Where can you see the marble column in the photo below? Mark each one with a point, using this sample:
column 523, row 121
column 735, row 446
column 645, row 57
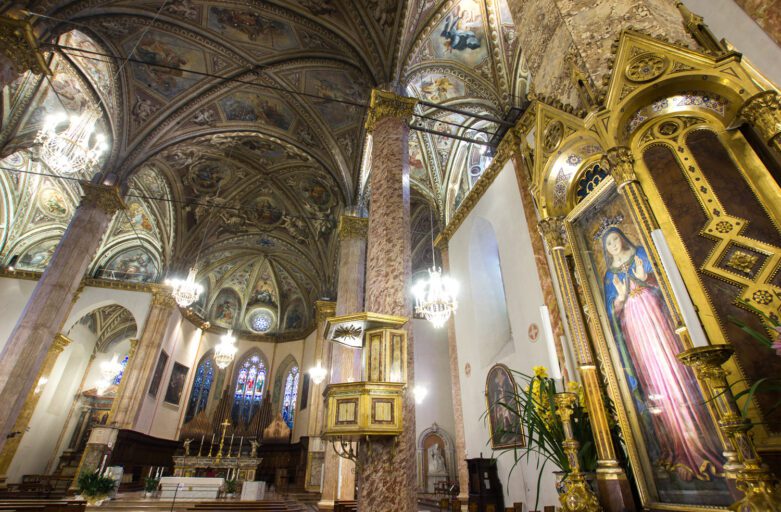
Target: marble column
column 50, row 303
column 23, row 420
column 615, row 493
column 338, row 472
column 462, row 472
column 133, row 389
column 387, row 479
column 19, row 50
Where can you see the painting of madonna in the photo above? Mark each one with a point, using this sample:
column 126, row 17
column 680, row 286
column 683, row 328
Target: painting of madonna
column 683, row 451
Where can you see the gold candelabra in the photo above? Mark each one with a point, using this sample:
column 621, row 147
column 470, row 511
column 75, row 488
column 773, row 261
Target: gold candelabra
column 222, row 439
column 754, row 479
column 578, row 496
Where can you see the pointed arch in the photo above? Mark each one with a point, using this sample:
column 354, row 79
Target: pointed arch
column 249, row 385
column 202, row 384
column 286, row 387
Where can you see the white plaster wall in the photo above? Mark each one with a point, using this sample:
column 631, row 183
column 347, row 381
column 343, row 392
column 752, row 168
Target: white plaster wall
column 432, row 370
column 501, row 207
column 301, row 424
column 727, row 20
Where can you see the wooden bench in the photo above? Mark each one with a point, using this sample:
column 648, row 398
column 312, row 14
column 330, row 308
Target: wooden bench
column 345, row 506
column 43, row 505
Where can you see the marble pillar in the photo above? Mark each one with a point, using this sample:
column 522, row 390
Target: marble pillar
column 135, row 381
column 387, row 476
column 462, row 472
column 50, row 303
column 338, row 472
column 23, row 420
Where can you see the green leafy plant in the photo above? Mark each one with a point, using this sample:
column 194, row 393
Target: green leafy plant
column 231, row 486
column 150, row 484
column 95, row 484
column 533, row 404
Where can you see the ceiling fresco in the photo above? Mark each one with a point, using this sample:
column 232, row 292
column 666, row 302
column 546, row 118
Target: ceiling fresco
column 238, row 127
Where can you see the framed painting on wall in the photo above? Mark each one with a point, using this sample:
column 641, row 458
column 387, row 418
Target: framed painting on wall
column 673, row 443
column 173, row 395
column 504, row 417
column 157, row 377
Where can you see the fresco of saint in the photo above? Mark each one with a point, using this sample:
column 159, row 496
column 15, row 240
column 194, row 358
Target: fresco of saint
column 661, row 385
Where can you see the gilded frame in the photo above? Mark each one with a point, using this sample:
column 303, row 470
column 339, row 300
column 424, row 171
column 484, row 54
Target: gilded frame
column 606, row 351
column 520, row 438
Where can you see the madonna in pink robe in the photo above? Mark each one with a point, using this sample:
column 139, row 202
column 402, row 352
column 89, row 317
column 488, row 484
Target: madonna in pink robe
column 682, row 430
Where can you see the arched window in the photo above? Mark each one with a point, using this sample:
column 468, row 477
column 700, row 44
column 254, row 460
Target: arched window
column 250, row 385
column 199, row 396
column 118, row 378
column 290, row 395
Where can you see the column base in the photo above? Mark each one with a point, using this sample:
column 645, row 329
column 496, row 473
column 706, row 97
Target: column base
column 614, row 490
column 325, row 505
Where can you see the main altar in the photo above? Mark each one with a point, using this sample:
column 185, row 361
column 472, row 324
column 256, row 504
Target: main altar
column 230, row 468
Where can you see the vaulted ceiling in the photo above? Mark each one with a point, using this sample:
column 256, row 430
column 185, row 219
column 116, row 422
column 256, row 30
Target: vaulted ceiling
column 251, row 113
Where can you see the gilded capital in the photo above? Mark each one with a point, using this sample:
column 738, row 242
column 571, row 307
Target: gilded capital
column 620, row 162
column 324, row 309
column 565, row 404
column 18, row 44
column 133, row 347
column 763, row 111
column 552, row 230
column 161, row 297
column 60, row 342
column 102, row 197
column 387, row 104
column 353, row 227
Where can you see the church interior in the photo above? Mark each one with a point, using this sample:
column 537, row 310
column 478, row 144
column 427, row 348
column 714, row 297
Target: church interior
column 390, row 255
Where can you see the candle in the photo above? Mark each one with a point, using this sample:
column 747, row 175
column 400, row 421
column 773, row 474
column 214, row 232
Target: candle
column 679, row 290
column 201, row 446
column 103, row 463
column 553, row 354
column 230, row 446
column 150, row 472
column 241, row 441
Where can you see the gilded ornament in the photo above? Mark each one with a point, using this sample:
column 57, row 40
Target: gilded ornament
column 105, row 198
column 742, row 261
column 552, row 230
column 668, row 128
column 353, row 227
column 553, row 136
column 646, row 67
column 18, row 44
column 161, row 297
column 60, row 342
column 724, row 227
column 324, row 309
column 347, row 332
column 387, row 104
column 763, row 297
column 621, row 164
column 763, row 111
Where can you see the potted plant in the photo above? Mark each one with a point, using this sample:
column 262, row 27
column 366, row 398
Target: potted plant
column 534, row 406
column 150, row 486
column 230, row 487
column 95, row 487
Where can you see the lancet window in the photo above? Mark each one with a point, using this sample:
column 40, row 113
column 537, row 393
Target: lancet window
column 250, row 384
column 290, row 395
column 202, row 384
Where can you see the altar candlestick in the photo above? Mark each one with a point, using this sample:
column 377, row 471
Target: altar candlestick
column 230, row 446
column 103, row 463
column 201, row 446
column 679, row 290
column 241, row 441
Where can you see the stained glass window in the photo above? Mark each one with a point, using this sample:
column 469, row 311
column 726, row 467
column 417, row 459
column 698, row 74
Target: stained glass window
column 250, row 383
column 202, row 384
column 289, row 397
column 118, row 378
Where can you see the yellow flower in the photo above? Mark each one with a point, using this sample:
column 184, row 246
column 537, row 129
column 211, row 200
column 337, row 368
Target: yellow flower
column 540, row 371
column 575, row 387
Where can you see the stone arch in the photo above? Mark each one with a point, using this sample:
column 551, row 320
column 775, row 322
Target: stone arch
column 430, row 436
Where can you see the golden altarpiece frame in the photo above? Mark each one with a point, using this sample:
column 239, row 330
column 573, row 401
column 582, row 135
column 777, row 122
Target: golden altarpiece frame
column 684, row 147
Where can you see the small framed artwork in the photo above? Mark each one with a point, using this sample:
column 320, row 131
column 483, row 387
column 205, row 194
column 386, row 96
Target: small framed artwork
column 504, row 416
column 157, row 377
column 173, row 395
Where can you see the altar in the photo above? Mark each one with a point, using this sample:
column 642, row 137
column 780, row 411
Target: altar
column 188, row 488
column 230, row 468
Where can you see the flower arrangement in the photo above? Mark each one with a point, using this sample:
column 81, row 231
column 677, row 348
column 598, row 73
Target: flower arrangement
column 151, row 484
column 96, row 486
column 231, row 486
column 535, row 408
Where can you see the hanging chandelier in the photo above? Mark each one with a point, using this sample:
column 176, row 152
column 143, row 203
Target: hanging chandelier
column 185, row 291
column 69, row 144
column 225, row 351
column 318, row 373
column 435, row 298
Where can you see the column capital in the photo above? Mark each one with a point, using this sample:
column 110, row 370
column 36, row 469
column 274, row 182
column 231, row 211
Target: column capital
column 353, row 227
column 552, row 231
column 60, row 342
column 387, row 104
column 19, row 45
column 620, row 163
column 161, row 296
column 763, row 112
column 103, row 197
column 324, row 309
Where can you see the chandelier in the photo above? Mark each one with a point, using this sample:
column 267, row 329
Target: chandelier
column 69, row 144
column 225, row 351
column 435, row 298
column 317, row 373
column 185, row 291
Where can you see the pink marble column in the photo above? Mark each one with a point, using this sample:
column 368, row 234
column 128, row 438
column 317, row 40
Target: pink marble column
column 338, row 472
column 387, row 479
column 455, row 388
column 135, row 381
column 25, row 351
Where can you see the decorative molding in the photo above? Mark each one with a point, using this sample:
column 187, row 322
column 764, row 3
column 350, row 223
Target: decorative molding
column 763, row 111
column 324, row 309
column 387, row 104
column 60, row 342
column 105, row 198
column 620, row 163
column 552, row 231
